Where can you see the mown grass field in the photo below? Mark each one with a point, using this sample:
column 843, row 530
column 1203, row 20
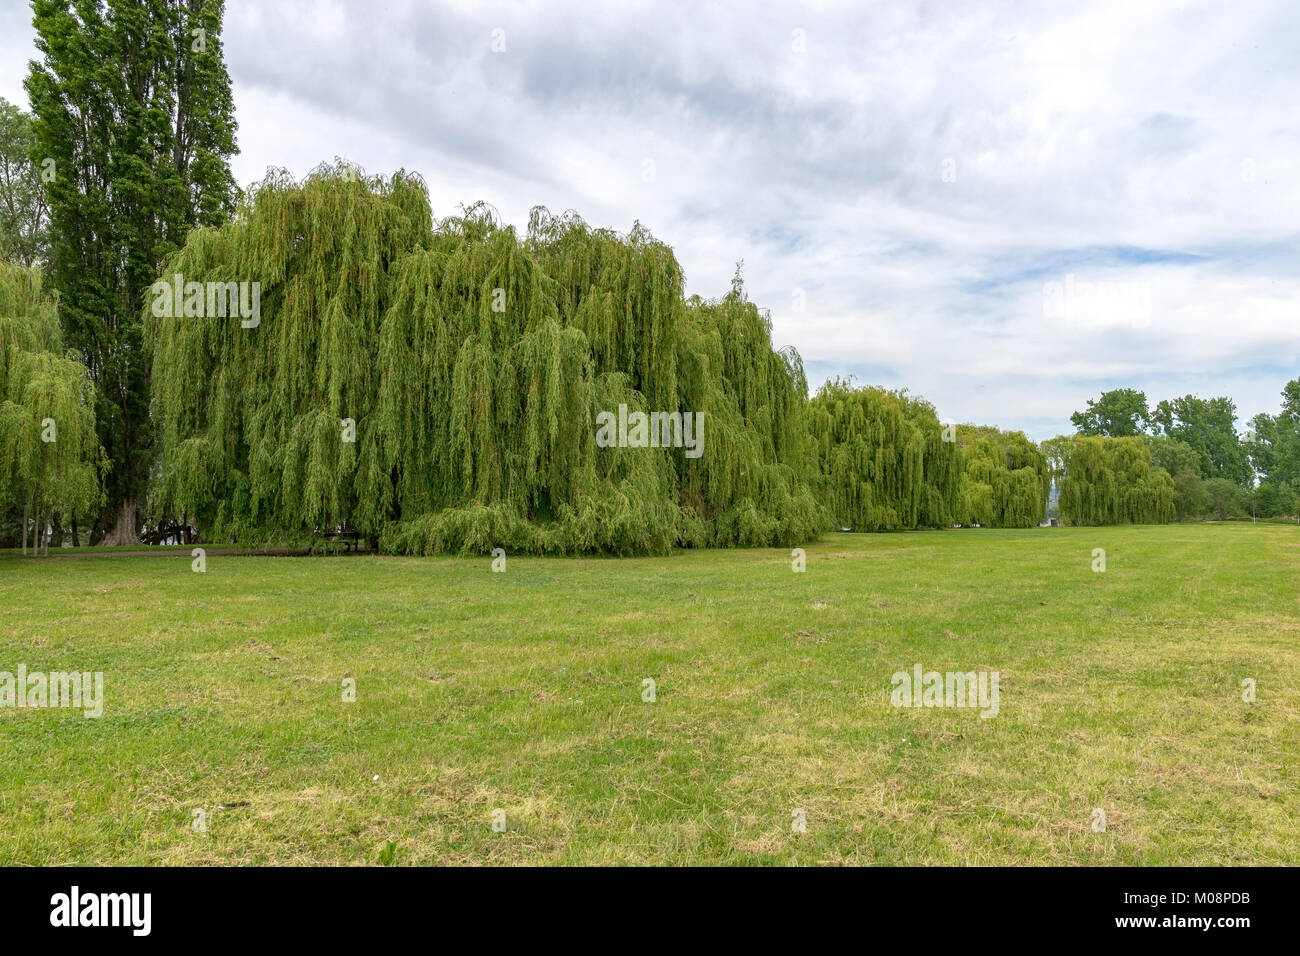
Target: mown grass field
column 523, row 691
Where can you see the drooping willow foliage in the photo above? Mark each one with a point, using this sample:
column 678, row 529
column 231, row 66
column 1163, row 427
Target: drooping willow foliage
column 1110, row 481
column 471, row 365
column 50, row 460
column 1005, row 479
column 883, row 463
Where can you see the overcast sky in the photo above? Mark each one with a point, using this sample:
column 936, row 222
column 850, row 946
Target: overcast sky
column 1005, row 208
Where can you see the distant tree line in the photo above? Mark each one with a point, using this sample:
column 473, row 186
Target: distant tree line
column 1215, row 470
column 886, row 463
column 884, row 466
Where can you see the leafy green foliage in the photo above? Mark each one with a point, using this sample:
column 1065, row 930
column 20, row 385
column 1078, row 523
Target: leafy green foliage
column 49, row 458
column 1208, row 427
column 1271, row 500
column 1119, row 413
column 885, row 465
column 1005, row 479
column 1172, row 455
column 1223, row 497
column 1189, row 494
column 473, row 365
column 1274, row 449
column 1183, row 464
column 23, row 213
column 883, row 462
column 1107, row 481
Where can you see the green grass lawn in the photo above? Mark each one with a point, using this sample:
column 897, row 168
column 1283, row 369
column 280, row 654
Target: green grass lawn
column 523, row 691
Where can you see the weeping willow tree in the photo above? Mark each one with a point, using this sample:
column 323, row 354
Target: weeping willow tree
column 437, row 388
column 1110, row 481
column 1005, row 479
column 51, row 463
column 253, row 411
column 882, row 460
column 756, row 486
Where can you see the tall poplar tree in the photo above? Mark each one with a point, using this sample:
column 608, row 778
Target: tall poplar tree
column 132, row 114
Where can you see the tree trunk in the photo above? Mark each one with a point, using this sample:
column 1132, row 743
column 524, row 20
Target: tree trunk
column 27, row 504
column 126, row 531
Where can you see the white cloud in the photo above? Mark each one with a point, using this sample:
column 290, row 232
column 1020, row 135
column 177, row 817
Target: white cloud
column 1135, row 143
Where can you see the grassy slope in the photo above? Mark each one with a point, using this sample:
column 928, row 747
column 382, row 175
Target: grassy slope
column 523, row 691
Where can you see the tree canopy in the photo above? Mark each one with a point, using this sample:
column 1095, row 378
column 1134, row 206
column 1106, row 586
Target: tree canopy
column 437, row 386
column 50, row 461
column 1004, row 479
column 1208, row 426
column 1104, row 480
column 883, row 463
column 1118, row 413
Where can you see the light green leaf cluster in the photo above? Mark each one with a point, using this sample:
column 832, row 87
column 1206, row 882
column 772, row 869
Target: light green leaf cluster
column 50, row 460
column 1106, row 481
column 883, row 463
column 1005, row 479
column 473, row 364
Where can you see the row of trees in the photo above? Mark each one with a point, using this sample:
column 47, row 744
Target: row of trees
column 432, row 384
column 886, row 463
column 1215, row 470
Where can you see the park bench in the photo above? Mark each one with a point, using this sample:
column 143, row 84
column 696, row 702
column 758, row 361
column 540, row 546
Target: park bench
column 351, row 540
